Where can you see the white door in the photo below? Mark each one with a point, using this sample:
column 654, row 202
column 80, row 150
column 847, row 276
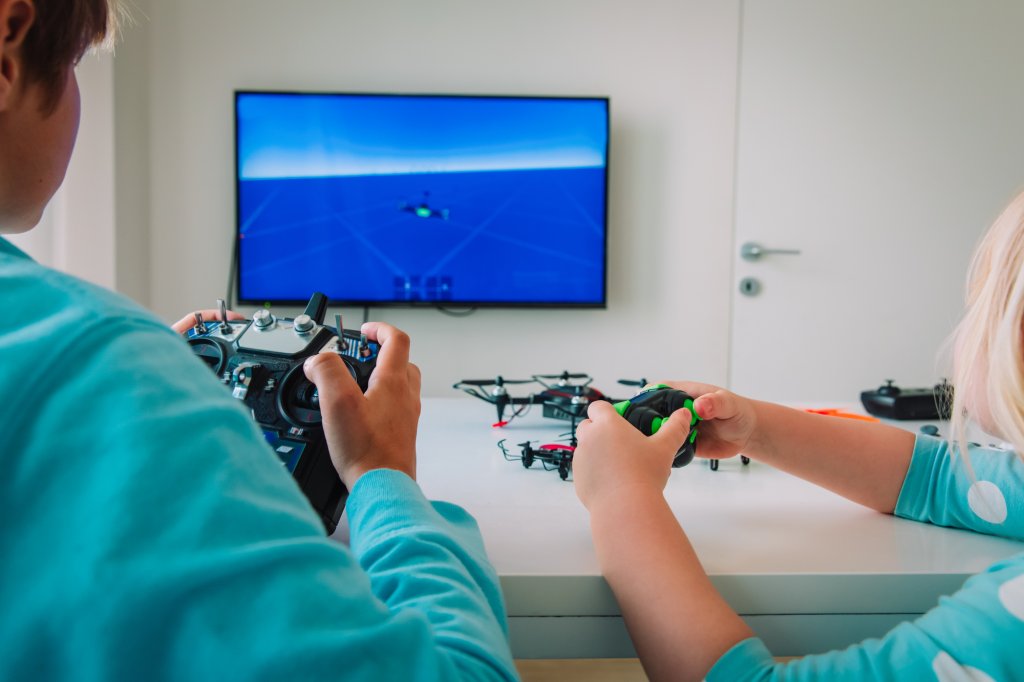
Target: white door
column 880, row 139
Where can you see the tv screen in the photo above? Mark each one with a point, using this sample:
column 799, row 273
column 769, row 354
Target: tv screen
column 447, row 200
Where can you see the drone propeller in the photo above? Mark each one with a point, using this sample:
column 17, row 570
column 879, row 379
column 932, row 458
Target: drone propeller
column 497, row 381
column 633, row 382
column 563, row 375
column 499, row 396
column 563, row 379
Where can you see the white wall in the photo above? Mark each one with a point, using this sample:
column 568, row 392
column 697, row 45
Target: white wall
column 76, row 233
column 39, row 242
column 132, row 96
column 669, row 67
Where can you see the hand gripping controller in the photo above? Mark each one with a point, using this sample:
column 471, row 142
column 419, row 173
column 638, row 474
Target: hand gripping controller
column 260, row 361
column 651, row 407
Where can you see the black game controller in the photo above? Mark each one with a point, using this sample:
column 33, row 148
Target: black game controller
column 892, row 402
column 650, row 408
column 260, row 360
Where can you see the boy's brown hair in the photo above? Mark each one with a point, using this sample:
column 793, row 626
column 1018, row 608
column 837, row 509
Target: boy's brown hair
column 58, row 37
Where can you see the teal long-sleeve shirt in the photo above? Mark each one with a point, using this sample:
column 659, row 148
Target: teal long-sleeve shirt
column 973, row 635
column 148, row 532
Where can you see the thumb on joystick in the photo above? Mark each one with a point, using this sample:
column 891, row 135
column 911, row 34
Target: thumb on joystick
column 333, row 379
column 675, row 427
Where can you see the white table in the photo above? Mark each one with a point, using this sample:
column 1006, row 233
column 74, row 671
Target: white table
column 809, row 571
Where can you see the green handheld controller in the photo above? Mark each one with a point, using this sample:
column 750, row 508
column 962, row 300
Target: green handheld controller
column 651, row 407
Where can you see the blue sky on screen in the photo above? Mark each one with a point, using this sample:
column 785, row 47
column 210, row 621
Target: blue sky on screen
column 311, row 135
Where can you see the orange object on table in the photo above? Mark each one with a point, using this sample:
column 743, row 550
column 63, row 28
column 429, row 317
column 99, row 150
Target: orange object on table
column 834, row 412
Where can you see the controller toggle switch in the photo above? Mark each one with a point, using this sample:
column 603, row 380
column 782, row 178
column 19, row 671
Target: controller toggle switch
column 342, row 341
column 222, row 308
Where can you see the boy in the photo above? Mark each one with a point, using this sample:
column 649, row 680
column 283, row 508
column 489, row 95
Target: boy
column 148, row 530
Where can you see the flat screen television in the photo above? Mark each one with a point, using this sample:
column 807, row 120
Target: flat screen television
column 446, row 200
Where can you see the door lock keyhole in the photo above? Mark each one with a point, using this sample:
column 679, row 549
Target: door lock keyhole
column 749, row 286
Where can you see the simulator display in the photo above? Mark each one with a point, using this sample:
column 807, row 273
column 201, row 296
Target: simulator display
column 446, row 200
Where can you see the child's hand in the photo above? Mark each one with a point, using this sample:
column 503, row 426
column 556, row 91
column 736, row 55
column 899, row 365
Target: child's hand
column 730, row 421
column 614, row 459
column 375, row 430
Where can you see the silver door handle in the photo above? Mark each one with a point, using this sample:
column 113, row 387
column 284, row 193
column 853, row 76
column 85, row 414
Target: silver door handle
column 754, row 251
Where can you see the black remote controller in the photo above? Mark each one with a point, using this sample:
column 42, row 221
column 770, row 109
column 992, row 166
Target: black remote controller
column 892, row 402
column 651, row 407
column 260, row 361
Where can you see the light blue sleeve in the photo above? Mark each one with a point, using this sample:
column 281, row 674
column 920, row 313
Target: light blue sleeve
column 939, row 489
column 150, row 533
column 393, row 528
column 973, row 634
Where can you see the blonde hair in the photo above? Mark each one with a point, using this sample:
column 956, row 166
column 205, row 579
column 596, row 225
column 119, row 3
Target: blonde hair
column 989, row 341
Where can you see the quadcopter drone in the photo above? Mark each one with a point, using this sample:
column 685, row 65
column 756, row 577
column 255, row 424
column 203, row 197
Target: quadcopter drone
column 561, row 402
column 550, row 455
column 423, row 209
column 564, row 396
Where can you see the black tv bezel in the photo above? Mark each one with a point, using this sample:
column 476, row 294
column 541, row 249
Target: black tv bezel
column 459, row 304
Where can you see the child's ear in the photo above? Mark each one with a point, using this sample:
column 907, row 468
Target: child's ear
column 16, row 17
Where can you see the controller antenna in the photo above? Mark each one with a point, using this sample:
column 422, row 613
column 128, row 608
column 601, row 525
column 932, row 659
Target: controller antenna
column 317, row 307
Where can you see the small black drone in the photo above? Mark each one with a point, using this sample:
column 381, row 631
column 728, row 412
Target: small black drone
column 551, row 456
column 423, row 209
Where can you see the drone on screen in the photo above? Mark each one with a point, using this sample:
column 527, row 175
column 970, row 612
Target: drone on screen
column 423, row 209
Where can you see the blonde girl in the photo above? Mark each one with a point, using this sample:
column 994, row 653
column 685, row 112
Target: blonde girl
column 684, row 630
